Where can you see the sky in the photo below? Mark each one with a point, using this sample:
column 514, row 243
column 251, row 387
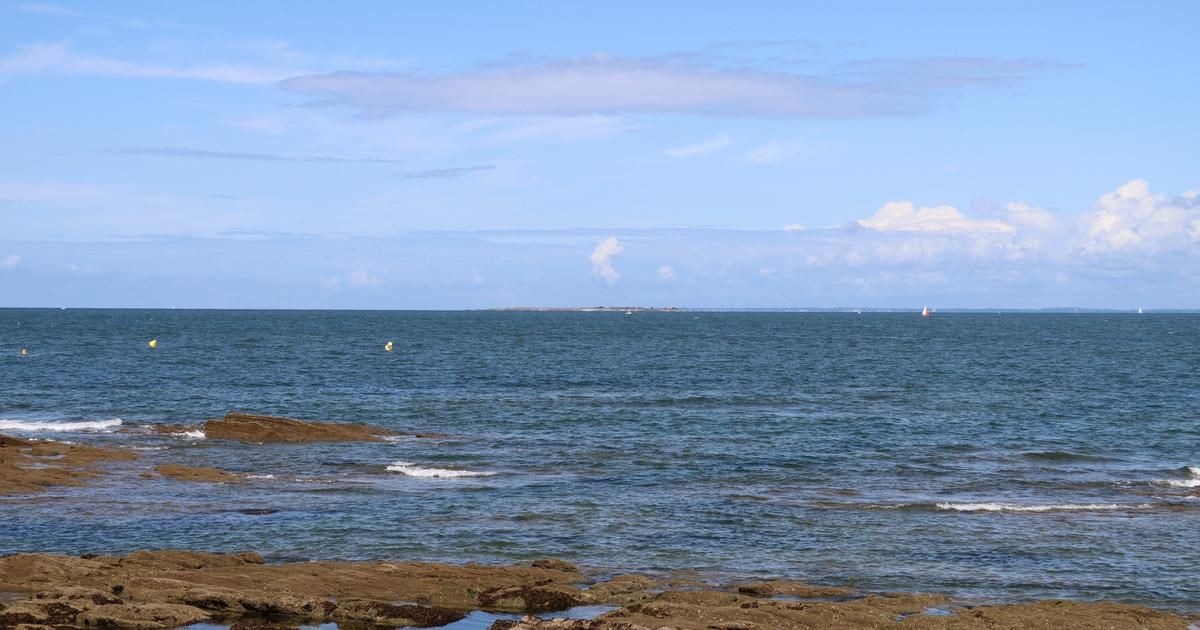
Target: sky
column 694, row 154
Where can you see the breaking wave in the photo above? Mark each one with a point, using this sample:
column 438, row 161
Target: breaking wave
column 413, row 470
column 48, row 425
column 1058, row 507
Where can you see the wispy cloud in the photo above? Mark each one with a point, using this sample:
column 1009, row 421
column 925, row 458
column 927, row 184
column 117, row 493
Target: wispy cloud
column 715, row 143
column 10, row 262
column 60, row 58
column 446, row 173
column 56, row 10
column 182, row 152
column 604, row 84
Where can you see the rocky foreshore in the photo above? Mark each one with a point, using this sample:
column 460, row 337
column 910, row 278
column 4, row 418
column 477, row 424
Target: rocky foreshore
column 167, row 589
column 149, row 590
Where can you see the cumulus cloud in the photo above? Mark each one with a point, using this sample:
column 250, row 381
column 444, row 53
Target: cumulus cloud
column 1132, row 218
column 602, row 257
column 606, row 84
column 904, row 216
column 665, row 273
column 10, row 262
column 715, row 143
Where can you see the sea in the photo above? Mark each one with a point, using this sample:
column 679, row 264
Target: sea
column 990, row 456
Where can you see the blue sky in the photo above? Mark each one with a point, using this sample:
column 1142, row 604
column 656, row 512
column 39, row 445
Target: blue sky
column 464, row 155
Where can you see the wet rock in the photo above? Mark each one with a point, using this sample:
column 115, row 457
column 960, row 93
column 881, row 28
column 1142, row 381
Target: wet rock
column 200, row 474
column 533, row 623
column 27, row 466
column 253, row 602
column 531, row 599
column 773, row 588
column 257, row 428
column 140, row 616
column 623, row 589
column 555, row 564
column 383, row 613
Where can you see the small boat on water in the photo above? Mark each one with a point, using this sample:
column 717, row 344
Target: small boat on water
column 925, row 312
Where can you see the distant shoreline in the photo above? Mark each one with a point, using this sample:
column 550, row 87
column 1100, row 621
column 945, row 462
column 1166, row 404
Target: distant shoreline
column 1066, row 310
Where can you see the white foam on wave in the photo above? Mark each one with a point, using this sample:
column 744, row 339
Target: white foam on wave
column 1194, row 482
column 260, row 476
column 1060, row 507
column 413, row 470
column 195, row 434
column 48, row 425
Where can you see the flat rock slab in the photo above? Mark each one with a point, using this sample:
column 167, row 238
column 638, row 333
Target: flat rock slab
column 28, row 466
column 202, row 474
column 147, row 590
column 248, row 427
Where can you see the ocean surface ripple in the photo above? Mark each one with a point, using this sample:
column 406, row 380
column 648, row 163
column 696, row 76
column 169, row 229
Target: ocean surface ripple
column 997, row 456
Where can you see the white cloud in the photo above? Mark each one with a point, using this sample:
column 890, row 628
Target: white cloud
column 602, row 256
column 357, row 279
column 794, row 227
column 704, row 147
column 665, row 273
column 10, row 262
column 361, row 278
column 1132, row 218
column 605, row 84
column 904, row 216
column 1023, row 215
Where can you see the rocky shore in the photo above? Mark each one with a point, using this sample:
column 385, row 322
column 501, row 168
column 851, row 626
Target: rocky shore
column 149, row 590
column 166, row 589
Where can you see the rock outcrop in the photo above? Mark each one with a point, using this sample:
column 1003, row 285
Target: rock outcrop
column 149, row 590
column 248, row 427
column 202, row 474
column 32, row 466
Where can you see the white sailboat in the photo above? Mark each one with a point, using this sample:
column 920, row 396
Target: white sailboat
column 925, row 312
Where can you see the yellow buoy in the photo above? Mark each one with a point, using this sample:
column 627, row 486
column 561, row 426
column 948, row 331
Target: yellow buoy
column 388, row 346
column 153, row 343
column 24, row 352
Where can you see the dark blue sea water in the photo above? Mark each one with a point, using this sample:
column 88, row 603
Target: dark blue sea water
column 993, row 456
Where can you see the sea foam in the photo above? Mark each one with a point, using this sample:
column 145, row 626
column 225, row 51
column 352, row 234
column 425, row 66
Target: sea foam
column 1194, row 482
column 1060, row 507
column 413, row 470
column 46, row 425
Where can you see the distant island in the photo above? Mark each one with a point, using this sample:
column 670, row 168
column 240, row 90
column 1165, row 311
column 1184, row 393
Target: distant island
column 591, row 309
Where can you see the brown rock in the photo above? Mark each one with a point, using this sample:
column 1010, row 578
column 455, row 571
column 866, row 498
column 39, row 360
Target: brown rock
column 161, row 589
column 531, row 599
column 383, row 613
column 179, row 472
column 140, row 616
column 256, row 428
column 773, row 588
column 555, row 564
column 28, row 466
